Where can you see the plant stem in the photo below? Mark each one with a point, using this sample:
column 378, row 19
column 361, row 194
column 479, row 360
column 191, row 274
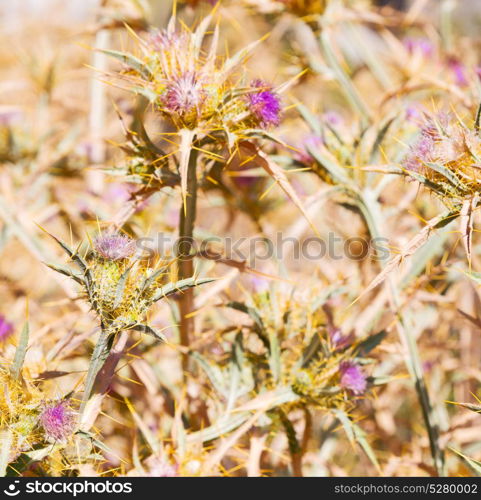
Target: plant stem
column 294, row 446
column 412, row 358
column 414, row 366
column 97, row 360
column 185, row 254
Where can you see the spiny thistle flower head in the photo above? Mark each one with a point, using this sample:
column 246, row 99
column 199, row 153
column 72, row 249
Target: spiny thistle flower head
column 196, row 88
column 446, row 157
column 163, row 40
column 352, row 377
column 6, row 328
column 264, row 104
column 313, row 357
column 185, row 95
column 57, row 420
column 114, row 246
column 118, row 281
column 121, row 289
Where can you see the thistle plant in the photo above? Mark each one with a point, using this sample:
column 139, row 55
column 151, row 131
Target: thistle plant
column 296, row 361
column 445, row 160
column 120, row 290
column 291, row 356
column 30, row 428
column 211, row 105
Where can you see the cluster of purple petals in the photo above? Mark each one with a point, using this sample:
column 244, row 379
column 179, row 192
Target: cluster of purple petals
column 114, row 246
column 337, row 338
column 184, row 94
column 420, row 153
column 424, row 150
column 352, row 377
column 264, row 104
column 57, row 421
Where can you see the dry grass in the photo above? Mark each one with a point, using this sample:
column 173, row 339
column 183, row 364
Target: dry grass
column 248, row 379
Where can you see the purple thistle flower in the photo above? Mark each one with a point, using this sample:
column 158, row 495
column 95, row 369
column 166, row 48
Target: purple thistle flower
column 428, row 366
column 420, row 153
column 337, row 338
column 6, row 328
column 184, row 94
column 264, row 104
column 352, row 377
column 422, row 45
column 459, row 71
column 436, row 144
column 113, row 246
column 58, row 421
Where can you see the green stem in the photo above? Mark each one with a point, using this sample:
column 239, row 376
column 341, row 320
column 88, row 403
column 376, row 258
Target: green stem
column 294, row 446
column 97, row 360
column 184, row 252
column 429, row 416
column 413, row 361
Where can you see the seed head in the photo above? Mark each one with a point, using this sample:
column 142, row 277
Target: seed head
column 352, row 377
column 114, row 246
